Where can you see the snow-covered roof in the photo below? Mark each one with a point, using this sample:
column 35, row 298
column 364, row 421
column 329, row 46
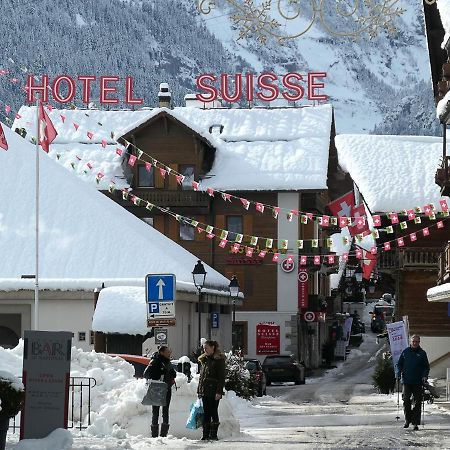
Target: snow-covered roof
column 277, row 148
column 393, row 173
column 439, row 293
column 262, row 149
column 83, row 234
column 444, row 12
column 108, row 314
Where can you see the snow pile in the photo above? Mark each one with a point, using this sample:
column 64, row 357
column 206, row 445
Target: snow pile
column 393, row 173
column 116, row 408
column 59, row 439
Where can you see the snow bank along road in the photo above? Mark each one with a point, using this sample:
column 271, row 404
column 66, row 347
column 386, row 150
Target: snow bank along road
column 340, row 410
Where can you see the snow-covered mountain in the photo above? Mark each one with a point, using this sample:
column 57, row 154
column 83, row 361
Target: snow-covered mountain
column 370, row 82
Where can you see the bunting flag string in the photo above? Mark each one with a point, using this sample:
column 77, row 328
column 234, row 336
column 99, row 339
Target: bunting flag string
column 354, row 222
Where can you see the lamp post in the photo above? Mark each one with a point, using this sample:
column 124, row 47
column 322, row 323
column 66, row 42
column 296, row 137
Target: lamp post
column 199, row 276
column 234, row 292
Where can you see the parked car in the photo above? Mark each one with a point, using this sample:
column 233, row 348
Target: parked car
column 258, row 375
column 283, row 368
column 138, row 362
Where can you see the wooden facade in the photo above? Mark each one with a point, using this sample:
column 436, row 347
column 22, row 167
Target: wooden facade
column 180, row 147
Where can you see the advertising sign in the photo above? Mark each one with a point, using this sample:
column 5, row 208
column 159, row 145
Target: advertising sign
column 398, row 340
column 267, row 339
column 303, row 286
column 348, row 328
column 46, row 377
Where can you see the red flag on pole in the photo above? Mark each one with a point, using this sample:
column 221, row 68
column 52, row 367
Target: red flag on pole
column 47, row 132
column 3, row 143
column 368, row 263
column 343, row 205
column 359, row 220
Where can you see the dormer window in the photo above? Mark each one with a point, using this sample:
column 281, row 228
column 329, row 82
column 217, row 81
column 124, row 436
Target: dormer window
column 145, row 178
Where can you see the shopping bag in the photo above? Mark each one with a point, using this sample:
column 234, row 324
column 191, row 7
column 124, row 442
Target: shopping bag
column 156, row 394
column 195, row 419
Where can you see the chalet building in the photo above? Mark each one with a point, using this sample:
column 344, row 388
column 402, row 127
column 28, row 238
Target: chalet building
column 276, row 157
column 86, row 242
column 395, row 174
column 437, row 18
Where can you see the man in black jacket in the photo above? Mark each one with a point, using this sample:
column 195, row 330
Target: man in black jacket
column 160, row 368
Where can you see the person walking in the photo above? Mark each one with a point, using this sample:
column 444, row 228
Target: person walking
column 413, row 368
column 160, row 368
column 210, row 387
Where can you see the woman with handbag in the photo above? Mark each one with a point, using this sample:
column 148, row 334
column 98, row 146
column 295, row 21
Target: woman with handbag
column 160, row 368
column 210, row 387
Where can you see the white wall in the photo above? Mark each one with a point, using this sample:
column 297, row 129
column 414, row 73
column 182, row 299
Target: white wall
column 287, row 283
column 254, row 317
column 435, row 346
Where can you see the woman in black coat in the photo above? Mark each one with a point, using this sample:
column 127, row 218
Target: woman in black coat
column 160, row 368
column 210, row 387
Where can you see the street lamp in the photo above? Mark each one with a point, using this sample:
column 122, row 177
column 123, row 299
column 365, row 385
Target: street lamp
column 234, row 292
column 199, row 276
column 358, row 274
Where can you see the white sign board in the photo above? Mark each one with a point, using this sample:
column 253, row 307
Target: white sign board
column 348, row 328
column 398, row 339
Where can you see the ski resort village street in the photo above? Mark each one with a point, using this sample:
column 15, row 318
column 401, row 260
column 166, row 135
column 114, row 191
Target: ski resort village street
column 338, row 410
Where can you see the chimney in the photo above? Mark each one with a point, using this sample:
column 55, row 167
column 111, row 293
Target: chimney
column 164, row 96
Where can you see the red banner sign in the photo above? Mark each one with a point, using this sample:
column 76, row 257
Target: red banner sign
column 303, row 286
column 267, row 339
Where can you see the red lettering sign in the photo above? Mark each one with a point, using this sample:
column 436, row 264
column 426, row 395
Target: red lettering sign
column 269, row 87
column 267, row 339
column 303, row 286
column 107, row 88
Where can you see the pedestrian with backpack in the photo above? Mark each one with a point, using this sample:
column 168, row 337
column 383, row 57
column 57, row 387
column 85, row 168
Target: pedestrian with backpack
column 413, row 368
column 160, row 368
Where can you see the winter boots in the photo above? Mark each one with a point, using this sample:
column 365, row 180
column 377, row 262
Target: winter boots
column 406, row 425
column 164, row 429
column 206, row 431
column 155, row 430
column 213, row 432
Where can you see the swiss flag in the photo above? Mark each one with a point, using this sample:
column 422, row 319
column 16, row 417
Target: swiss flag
column 343, row 205
column 47, row 132
column 359, row 220
column 368, row 263
column 3, row 143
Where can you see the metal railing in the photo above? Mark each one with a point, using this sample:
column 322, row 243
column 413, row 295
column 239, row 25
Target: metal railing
column 173, row 198
column 79, row 388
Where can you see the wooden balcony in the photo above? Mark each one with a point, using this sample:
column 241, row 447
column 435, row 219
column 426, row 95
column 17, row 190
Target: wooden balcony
column 442, row 176
column 173, row 198
column 409, row 258
column 444, row 265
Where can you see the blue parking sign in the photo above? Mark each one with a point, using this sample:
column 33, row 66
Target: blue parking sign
column 153, row 308
column 214, row 320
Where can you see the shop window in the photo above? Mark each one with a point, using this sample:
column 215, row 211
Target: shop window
column 145, row 178
column 240, row 337
column 82, row 336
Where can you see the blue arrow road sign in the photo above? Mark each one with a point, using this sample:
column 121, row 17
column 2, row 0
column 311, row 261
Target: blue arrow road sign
column 160, row 287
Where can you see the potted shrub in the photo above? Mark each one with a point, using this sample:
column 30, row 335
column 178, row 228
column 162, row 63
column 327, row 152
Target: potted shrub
column 384, row 376
column 12, row 397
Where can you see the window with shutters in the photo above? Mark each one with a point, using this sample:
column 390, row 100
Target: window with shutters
column 188, row 172
column 235, row 225
column 146, row 178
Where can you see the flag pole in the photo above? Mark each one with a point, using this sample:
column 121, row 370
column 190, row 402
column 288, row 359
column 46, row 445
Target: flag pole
column 36, row 277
